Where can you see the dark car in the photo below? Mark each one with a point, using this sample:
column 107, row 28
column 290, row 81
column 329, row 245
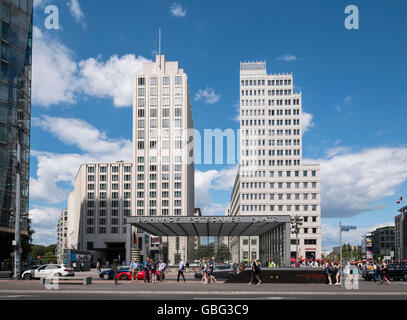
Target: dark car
column 108, row 274
column 221, row 271
column 368, row 275
column 397, row 271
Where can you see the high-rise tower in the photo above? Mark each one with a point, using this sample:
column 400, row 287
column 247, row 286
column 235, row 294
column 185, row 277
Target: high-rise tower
column 272, row 178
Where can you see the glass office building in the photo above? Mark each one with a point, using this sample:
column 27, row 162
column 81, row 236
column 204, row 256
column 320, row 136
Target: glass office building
column 15, row 106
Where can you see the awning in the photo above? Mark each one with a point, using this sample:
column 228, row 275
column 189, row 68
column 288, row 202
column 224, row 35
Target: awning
column 208, row 225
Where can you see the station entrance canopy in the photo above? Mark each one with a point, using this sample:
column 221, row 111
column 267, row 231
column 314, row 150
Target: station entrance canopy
column 212, row 226
column 273, row 231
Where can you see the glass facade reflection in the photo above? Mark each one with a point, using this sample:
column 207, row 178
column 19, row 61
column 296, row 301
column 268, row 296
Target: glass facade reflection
column 15, row 106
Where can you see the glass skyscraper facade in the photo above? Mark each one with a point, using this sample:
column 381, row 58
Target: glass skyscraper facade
column 15, row 106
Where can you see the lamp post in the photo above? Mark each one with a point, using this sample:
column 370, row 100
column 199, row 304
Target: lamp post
column 296, row 222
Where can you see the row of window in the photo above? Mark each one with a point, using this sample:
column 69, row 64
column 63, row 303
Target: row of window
column 102, row 221
column 154, row 102
column 154, row 91
column 306, row 241
column 164, row 212
column 289, row 173
column 165, row 123
column 165, row 112
column 272, row 163
column 272, row 153
column 166, row 80
column 153, row 203
column 164, row 176
column 165, row 159
column 103, row 169
column 115, row 195
column 279, row 196
column 153, row 185
column 164, row 167
column 272, row 208
column 262, row 185
column 104, row 204
column 279, row 122
column 278, row 112
column 114, row 177
column 277, row 82
column 278, row 142
column 115, row 186
column 103, row 230
column 262, row 92
column 103, row 212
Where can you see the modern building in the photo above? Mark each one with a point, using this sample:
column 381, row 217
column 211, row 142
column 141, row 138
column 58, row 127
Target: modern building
column 272, row 179
column 163, row 172
column 400, row 234
column 383, row 241
column 15, row 109
column 97, row 211
column 62, row 232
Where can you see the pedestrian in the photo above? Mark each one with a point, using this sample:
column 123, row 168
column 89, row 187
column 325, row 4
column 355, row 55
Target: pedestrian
column 376, row 272
column 161, row 269
column 145, row 269
column 271, row 263
column 204, row 272
column 257, row 272
column 338, row 270
column 133, row 269
column 187, row 267
column 181, row 269
column 383, row 271
column 329, row 270
column 211, row 267
column 98, row 267
column 82, row 267
column 153, row 271
column 252, row 271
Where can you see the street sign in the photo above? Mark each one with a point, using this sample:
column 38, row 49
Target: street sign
column 392, row 254
column 387, row 258
column 348, row 228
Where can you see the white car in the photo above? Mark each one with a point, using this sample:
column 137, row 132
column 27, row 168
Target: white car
column 54, row 270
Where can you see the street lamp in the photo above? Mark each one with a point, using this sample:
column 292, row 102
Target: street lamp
column 296, row 222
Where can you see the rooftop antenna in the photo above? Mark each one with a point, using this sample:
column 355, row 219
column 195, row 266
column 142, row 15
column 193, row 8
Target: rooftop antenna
column 159, row 44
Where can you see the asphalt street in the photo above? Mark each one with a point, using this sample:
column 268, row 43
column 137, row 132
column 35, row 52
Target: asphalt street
column 195, row 290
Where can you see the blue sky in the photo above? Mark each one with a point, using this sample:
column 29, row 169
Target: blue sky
column 351, row 81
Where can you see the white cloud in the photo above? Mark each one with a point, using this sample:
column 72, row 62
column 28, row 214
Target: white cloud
column 177, row 10
column 54, row 78
column 208, row 95
column 113, row 78
column 58, row 78
column 287, row 58
column 346, row 105
column 40, row 3
column 205, row 181
column 44, row 222
column 76, row 11
column 307, row 122
column 56, row 169
column 352, row 183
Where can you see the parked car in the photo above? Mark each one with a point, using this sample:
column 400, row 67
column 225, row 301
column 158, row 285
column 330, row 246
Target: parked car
column 126, row 275
column 55, row 270
column 221, row 271
column 397, row 271
column 108, row 274
column 368, row 275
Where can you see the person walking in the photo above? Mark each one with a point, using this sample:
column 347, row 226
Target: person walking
column 376, row 273
column 187, row 267
column 271, row 263
column 98, row 267
column 338, row 271
column 257, row 272
column 161, row 269
column 153, row 271
column 329, row 270
column 133, row 269
column 181, row 269
column 211, row 267
column 383, row 273
column 204, row 272
column 252, row 271
column 145, row 269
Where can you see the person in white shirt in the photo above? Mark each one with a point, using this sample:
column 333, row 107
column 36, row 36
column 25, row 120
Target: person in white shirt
column 161, row 268
column 181, row 269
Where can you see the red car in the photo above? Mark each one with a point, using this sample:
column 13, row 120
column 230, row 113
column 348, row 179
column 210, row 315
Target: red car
column 126, row 275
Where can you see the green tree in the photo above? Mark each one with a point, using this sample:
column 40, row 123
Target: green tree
column 204, row 251
column 49, row 257
column 223, row 253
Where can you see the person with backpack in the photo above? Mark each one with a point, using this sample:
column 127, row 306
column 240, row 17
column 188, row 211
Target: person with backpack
column 161, row 269
column 257, row 272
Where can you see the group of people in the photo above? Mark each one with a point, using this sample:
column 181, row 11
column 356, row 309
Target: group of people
column 255, row 272
column 151, row 270
column 207, row 266
column 379, row 272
